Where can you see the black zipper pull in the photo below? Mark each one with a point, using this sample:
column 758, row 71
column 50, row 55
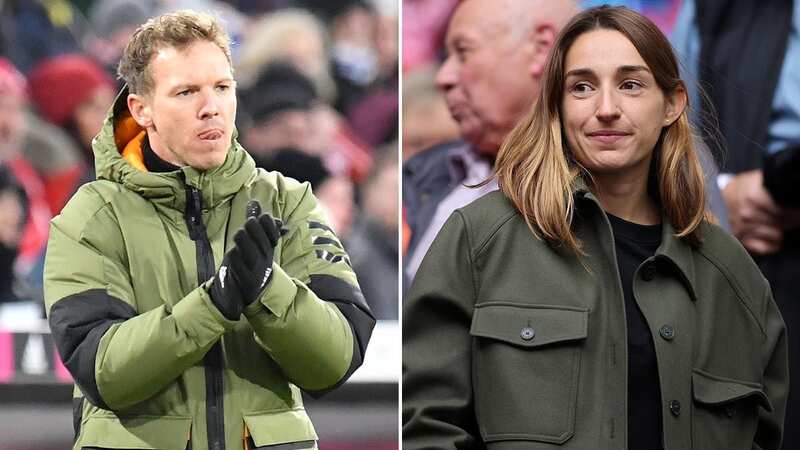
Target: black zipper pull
column 194, row 212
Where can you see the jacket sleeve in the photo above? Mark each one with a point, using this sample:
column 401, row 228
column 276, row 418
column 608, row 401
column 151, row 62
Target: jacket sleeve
column 437, row 360
column 776, row 378
column 117, row 355
column 312, row 319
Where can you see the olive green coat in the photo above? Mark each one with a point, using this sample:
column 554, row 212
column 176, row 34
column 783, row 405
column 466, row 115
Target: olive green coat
column 126, row 278
column 511, row 344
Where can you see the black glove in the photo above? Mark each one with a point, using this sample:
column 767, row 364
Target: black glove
column 247, row 267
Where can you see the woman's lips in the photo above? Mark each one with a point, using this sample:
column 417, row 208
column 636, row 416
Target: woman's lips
column 608, row 137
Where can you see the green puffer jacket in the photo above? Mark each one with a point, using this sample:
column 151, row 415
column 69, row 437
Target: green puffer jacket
column 511, row 344
column 126, row 275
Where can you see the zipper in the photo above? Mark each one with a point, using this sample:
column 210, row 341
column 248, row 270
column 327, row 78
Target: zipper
column 213, row 362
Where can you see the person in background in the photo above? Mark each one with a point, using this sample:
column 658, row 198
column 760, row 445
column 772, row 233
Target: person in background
column 594, row 287
column 279, row 111
column 73, row 92
column 426, row 120
column 13, row 205
column 753, row 92
column 13, row 126
column 289, row 35
column 335, row 192
column 496, row 51
column 373, row 242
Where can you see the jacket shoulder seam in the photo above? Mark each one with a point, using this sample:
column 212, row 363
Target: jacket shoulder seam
column 493, row 230
column 737, row 288
column 469, row 256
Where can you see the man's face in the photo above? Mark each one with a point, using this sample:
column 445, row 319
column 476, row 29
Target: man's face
column 486, row 78
column 189, row 114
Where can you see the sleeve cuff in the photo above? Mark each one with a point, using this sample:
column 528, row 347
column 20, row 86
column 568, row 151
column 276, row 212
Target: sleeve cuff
column 199, row 318
column 278, row 296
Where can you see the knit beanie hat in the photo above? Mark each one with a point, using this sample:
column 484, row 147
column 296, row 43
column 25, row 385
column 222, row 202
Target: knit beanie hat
column 280, row 87
column 59, row 85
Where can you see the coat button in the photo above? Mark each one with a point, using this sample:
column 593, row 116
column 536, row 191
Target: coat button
column 730, row 411
column 527, row 333
column 649, row 271
column 675, row 408
column 667, row 332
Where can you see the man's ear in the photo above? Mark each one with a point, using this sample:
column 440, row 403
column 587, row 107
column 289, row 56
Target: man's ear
column 543, row 37
column 675, row 104
column 139, row 106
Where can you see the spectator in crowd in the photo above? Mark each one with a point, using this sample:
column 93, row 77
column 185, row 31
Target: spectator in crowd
column 73, row 92
column 280, row 113
column 13, row 124
column 288, row 35
column 35, row 30
column 113, row 23
column 13, row 204
column 374, row 112
column 747, row 56
column 483, row 37
column 426, row 121
column 424, row 27
column 353, row 31
column 334, row 192
column 372, row 242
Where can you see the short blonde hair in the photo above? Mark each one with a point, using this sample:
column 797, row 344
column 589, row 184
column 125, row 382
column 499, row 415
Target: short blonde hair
column 176, row 29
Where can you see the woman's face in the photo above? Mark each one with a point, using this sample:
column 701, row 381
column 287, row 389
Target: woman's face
column 612, row 109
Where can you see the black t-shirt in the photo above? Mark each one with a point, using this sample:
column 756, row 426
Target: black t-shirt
column 634, row 243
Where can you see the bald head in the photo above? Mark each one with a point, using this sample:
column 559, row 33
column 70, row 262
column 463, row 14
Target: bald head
column 496, row 54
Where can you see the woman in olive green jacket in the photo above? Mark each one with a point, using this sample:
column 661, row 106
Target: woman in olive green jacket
column 591, row 304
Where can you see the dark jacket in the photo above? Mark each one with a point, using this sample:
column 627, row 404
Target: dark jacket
column 509, row 343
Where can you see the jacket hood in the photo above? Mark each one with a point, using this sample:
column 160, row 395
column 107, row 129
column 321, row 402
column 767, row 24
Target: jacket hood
column 120, row 130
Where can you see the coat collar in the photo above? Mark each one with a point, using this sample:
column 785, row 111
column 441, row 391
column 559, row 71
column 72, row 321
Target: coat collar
column 673, row 250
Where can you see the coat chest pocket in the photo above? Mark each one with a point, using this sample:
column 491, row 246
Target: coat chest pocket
column 526, row 363
column 139, row 432
column 725, row 411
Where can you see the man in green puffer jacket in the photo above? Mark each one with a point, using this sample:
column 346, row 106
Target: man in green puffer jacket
column 191, row 295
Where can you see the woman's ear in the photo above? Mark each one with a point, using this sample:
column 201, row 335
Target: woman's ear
column 675, row 105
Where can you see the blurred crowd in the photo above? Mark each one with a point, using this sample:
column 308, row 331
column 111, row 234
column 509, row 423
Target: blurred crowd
column 318, row 101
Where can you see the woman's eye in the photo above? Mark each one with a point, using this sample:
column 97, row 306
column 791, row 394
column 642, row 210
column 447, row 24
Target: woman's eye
column 582, row 88
column 631, row 85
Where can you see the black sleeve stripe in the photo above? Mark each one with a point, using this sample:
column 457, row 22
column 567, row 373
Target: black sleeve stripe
column 331, row 258
column 78, row 322
column 319, row 226
column 354, row 308
column 322, row 240
column 300, row 445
